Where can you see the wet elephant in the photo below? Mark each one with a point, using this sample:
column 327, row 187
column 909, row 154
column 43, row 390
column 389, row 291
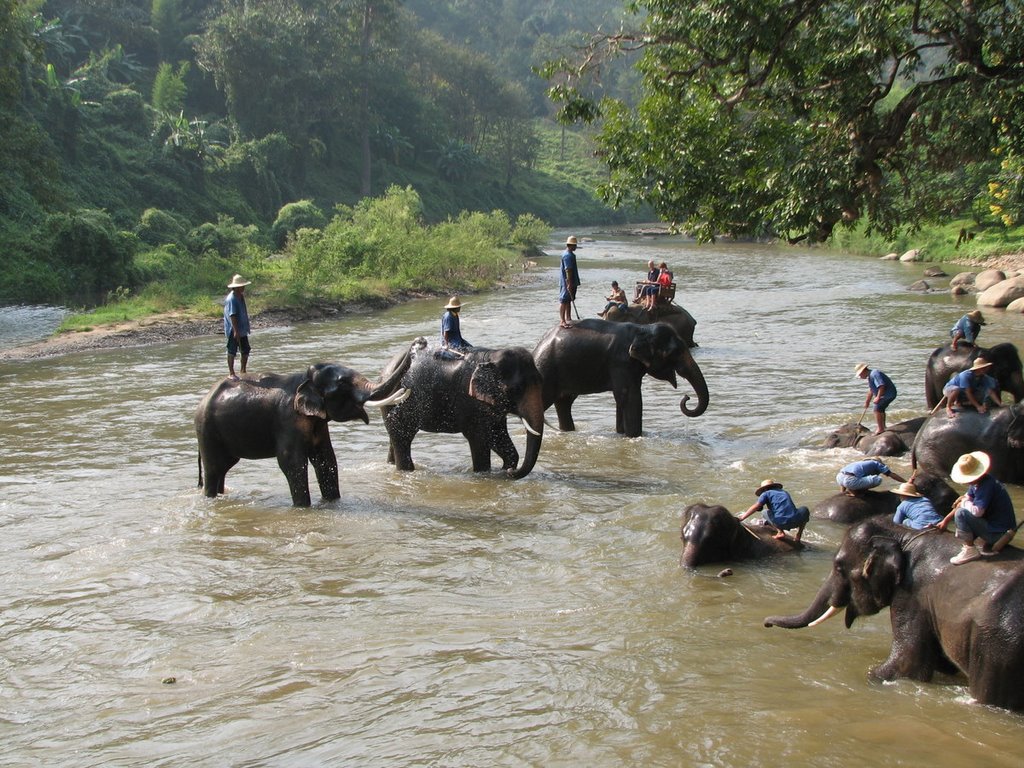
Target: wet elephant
column 844, row 509
column 945, row 618
column 259, row 417
column 944, row 362
column 601, row 356
column 895, row 441
column 472, row 393
column 712, row 534
column 670, row 314
column 999, row 433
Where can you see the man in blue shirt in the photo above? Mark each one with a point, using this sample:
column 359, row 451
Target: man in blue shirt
column 881, row 391
column 915, row 511
column 966, row 329
column 780, row 510
column 976, row 387
column 451, row 331
column 861, row 475
column 236, row 323
column 568, row 283
column 983, row 514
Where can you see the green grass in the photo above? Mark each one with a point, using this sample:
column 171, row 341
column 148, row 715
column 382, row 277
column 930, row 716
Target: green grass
column 938, row 242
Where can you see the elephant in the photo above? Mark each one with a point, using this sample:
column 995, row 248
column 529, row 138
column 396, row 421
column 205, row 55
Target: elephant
column 257, row 417
column 944, row 362
column 844, row 509
column 895, row 441
column 712, row 534
column 471, row 392
column 999, row 432
column 670, row 314
column 945, row 618
column 600, row 356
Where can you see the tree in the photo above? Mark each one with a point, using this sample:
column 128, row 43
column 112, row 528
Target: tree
column 791, row 117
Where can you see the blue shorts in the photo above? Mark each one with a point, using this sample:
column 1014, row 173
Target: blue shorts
column 884, row 403
column 854, row 483
column 566, row 296
column 234, row 346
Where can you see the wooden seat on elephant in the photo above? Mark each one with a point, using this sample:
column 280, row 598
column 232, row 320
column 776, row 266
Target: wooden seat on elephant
column 666, row 293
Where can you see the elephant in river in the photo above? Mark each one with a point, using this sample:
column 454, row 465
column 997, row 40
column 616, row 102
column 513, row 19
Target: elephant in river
column 712, row 534
column 943, row 363
column 471, row 392
column 844, row 509
column 670, row 314
column 258, row 417
column 601, row 356
column 999, row 433
column 895, row 441
column 945, row 618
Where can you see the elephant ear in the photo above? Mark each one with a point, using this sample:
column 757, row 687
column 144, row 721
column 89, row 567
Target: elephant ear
column 485, row 384
column 309, row 400
column 883, row 569
column 642, row 348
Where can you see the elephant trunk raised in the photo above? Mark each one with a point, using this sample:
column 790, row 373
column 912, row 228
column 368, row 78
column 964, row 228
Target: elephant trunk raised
column 690, row 371
column 531, row 410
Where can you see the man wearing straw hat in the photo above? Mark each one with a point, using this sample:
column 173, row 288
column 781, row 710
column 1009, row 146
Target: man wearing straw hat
column 967, row 329
column 568, row 282
column 915, row 511
column 984, row 515
column 781, row 512
column 451, row 330
column 236, row 323
column 881, row 391
column 975, row 385
column 859, row 476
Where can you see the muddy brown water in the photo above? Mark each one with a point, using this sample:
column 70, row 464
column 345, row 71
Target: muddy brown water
column 444, row 618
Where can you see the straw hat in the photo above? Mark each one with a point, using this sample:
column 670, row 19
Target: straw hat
column 767, row 485
column 976, row 316
column 980, row 363
column 453, row 303
column 237, row 282
column 970, row 467
column 906, row 489
column 860, row 367
column 571, row 240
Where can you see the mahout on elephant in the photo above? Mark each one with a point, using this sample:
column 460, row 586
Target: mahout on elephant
column 285, row 415
column 944, row 618
column 667, row 312
column 895, row 441
column 999, row 433
column 944, row 362
column 712, row 534
column 472, row 392
column 602, row 356
column 845, row 509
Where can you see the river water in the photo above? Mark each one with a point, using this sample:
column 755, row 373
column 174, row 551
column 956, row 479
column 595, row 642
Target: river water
column 442, row 618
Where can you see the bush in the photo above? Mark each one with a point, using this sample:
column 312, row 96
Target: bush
column 157, row 227
column 303, row 214
column 225, row 238
column 93, row 256
column 125, row 107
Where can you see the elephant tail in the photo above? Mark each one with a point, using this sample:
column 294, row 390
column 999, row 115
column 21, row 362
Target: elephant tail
column 200, row 457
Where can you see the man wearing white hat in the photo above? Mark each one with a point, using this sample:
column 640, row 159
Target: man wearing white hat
column 915, row 510
column 967, row 329
column 881, row 391
column 236, row 323
column 984, row 515
column 451, row 329
column 568, row 282
column 781, row 512
column 976, row 386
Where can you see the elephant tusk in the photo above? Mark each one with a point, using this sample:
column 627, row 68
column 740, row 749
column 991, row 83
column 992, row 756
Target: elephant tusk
column 832, row 611
column 398, row 397
column 529, row 429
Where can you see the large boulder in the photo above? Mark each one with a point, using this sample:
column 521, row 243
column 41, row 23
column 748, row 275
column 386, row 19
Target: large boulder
column 911, row 255
column 962, row 279
column 1001, row 294
column 987, row 278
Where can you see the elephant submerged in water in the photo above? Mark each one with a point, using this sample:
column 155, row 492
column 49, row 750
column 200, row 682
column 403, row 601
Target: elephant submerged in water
column 712, row 534
column 944, row 362
column 601, row 356
column 945, row 618
column 895, row 441
column 999, row 433
column 257, row 417
column 471, row 392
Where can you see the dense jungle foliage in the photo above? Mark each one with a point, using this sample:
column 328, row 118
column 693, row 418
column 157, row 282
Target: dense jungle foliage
column 150, row 145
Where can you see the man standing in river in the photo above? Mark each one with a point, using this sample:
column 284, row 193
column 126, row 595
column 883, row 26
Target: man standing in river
column 568, row 283
column 236, row 323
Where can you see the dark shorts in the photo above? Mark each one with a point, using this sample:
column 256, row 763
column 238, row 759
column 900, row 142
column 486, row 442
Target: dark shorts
column 567, row 296
column 884, row 403
column 234, row 346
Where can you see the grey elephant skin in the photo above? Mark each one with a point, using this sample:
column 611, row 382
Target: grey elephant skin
column 847, row 510
column 472, row 394
column 712, row 534
column 945, row 618
column 601, row 356
column 259, row 417
column 671, row 314
column 999, row 432
column 944, row 362
column 895, row 441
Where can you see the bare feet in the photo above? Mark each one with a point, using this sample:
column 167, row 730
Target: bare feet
column 779, row 535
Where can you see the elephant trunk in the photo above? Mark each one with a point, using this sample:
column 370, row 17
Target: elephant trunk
column 819, row 610
column 690, row 371
column 391, row 376
column 531, row 411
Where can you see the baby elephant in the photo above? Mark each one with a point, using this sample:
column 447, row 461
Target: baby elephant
column 712, row 534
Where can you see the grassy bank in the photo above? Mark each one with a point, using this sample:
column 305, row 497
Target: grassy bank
column 961, row 241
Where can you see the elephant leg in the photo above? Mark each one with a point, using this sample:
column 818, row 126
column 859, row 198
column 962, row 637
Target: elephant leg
column 325, row 465
column 629, row 412
column 480, row 450
column 502, row 445
column 400, row 445
column 563, row 407
column 214, row 473
column 915, row 649
column 297, row 473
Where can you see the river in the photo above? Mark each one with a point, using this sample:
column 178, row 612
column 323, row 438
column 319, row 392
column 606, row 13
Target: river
column 442, row 618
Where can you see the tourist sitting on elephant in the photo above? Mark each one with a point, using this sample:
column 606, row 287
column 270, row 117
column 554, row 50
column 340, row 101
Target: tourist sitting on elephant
column 781, row 512
column 983, row 515
column 861, row 475
column 617, row 298
column 966, row 329
column 973, row 385
column 881, row 391
column 648, row 287
column 451, row 329
column 916, row 510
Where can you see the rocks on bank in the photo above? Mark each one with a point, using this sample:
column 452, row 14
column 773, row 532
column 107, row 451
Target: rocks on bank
column 999, row 284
